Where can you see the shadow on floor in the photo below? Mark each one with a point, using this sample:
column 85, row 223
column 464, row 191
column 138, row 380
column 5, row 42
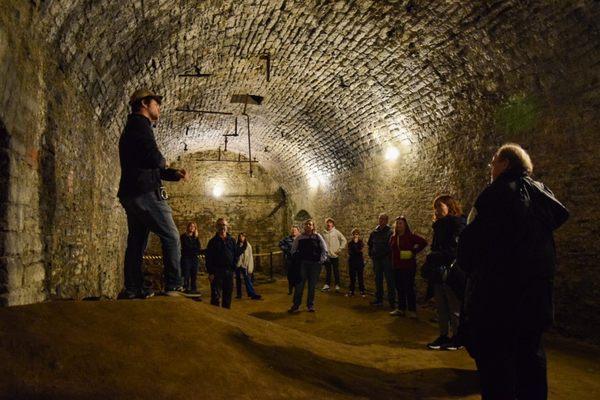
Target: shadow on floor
column 272, row 316
column 357, row 380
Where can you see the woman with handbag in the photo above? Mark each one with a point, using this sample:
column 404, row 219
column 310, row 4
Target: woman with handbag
column 405, row 245
column 447, row 226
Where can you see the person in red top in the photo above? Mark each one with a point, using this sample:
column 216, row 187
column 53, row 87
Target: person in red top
column 405, row 245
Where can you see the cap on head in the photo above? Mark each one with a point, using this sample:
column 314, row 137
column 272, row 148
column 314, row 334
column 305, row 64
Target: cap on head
column 144, row 94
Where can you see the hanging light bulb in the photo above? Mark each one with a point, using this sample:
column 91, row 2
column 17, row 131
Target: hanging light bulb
column 217, row 191
column 392, row 153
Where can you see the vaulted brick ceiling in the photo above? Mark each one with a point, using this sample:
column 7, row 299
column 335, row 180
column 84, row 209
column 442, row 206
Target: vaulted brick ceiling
column 347, row 77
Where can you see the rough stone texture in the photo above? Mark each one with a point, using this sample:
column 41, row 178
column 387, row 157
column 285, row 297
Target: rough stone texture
column 444, row 81
column 256, row 206
column 61, row 228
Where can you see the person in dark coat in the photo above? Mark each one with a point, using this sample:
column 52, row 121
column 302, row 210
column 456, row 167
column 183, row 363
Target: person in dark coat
column 144, row 199
column 222, row 255
column 447, row 225
column 190, row 251
column 508, row 254
column 310, row 251
column 356, row 263
column 292, row 269
column 381, row 256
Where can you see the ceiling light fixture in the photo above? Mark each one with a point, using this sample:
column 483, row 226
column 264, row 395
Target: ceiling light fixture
column 392, row 153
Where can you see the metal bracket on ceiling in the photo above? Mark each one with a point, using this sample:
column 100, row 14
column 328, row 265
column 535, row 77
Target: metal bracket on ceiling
column 267, row 58
column 248, row 99
column 197, row 74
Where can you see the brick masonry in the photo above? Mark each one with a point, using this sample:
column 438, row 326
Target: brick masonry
column 62, row 227
column 256, row 206
column 443, row 81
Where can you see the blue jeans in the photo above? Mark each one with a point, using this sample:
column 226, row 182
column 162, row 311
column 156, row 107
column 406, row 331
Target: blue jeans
column 309, row 271
column 239, row 273
column 145, row 214
column 383, row 269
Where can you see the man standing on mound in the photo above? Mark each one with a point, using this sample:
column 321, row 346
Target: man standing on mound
column 144, row 199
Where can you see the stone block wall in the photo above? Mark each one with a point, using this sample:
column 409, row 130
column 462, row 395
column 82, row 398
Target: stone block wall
column 254, row 205
column 62, row 230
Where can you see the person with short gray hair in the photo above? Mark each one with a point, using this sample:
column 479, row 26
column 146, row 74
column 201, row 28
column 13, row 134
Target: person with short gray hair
column 507, row 251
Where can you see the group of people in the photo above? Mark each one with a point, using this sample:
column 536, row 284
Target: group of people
column 241, row 261
column 491, row 273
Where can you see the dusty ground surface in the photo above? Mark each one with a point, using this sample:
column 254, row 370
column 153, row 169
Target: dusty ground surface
column 175, row 348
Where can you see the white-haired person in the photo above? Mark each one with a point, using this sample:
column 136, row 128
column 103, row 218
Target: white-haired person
column 507, row 251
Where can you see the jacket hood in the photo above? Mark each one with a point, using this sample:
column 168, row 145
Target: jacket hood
column 543, row 204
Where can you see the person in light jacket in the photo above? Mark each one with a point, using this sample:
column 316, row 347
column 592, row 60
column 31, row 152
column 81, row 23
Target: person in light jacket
column 245, row 267
column 335, row 242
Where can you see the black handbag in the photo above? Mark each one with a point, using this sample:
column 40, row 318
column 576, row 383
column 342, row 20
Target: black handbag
column 456, row 279
column 433, row 269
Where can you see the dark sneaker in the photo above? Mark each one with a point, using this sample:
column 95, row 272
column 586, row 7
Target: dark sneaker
column 363, row 294
column 439, row 343
column 256, row 297
column 238, row 296
column 145, row 294
column 293, row 309
column 377, row 303
column 311, row 308
column 452, row 345
column 127, row 295
column 175, row 291
column 350, row 294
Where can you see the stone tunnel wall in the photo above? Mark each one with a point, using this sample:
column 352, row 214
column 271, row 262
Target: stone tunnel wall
column 254, row 205
column 62, row 230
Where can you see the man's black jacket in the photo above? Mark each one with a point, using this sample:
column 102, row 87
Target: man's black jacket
column 379, row 242
column 222, row 254
column 508, row 254
column 142, row 164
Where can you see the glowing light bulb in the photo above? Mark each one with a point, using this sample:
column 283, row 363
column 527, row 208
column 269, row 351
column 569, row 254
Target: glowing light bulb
column 218, row 191
column 313, row 182
column 392, row 153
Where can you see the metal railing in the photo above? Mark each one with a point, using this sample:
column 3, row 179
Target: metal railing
column 258, row 261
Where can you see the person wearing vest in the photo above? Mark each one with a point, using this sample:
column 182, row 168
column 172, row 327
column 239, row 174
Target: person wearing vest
column 310, row 251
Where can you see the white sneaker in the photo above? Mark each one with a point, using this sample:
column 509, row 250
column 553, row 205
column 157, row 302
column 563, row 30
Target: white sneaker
column 397, row 313
column 337, row 288
column 325, row 288
column 412, row 314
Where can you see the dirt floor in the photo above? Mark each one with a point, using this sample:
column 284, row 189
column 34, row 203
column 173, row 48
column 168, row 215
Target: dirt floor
column 176, row 348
